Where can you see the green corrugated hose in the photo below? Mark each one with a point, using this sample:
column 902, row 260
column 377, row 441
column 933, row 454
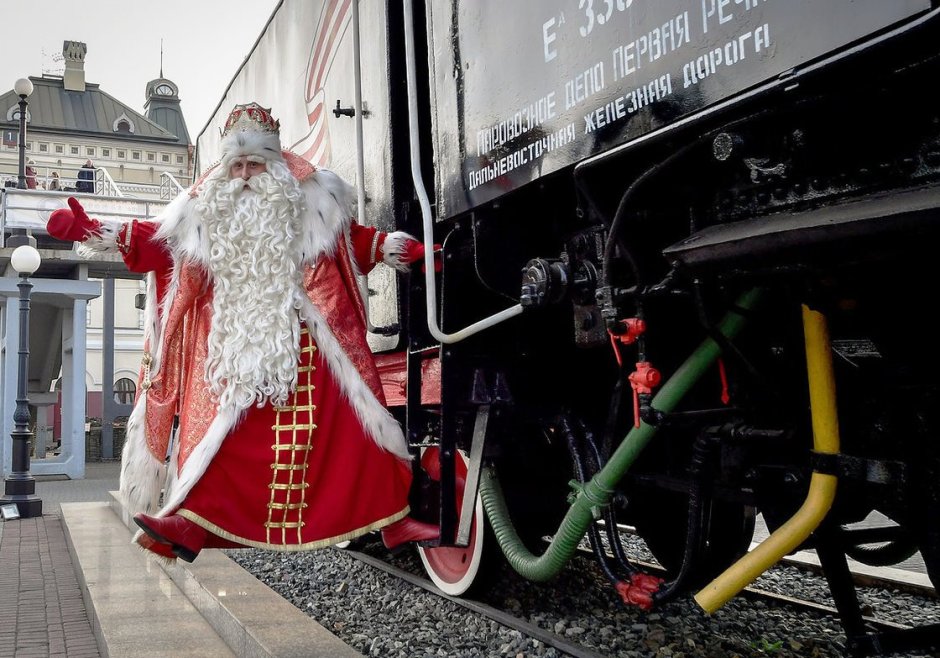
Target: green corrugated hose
column 598, row 492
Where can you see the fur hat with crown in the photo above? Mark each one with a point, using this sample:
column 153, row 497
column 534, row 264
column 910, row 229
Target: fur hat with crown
column 251, row 130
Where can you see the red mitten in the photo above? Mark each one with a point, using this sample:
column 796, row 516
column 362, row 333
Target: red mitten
column 413, row 252
column 74, row 224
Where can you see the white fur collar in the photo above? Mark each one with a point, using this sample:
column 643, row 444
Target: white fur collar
column 328, row 209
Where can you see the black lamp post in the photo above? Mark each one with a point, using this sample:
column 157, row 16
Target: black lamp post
column 22, row 88
column 20, row 486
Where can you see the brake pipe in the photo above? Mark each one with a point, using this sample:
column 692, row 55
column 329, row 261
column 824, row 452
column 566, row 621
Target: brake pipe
column 596, row 494
column 822, row 486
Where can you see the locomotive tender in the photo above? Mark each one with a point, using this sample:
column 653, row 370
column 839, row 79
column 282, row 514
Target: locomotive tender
column 687, row 272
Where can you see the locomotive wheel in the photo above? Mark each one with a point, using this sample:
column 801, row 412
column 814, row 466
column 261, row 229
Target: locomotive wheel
column 453, row 569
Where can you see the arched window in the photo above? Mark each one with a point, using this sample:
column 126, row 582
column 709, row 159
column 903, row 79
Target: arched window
column 124, row 390
column 13, row 113
column 123, row 124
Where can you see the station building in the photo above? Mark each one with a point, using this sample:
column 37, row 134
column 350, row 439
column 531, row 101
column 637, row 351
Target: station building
column 86, row 324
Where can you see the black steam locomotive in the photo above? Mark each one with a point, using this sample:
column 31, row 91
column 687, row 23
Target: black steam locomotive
column 687, row 263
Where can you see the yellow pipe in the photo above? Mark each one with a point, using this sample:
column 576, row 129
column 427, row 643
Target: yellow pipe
column 822, row 487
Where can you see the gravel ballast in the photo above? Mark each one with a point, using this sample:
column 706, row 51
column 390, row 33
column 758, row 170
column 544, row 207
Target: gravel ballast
column 380, row 615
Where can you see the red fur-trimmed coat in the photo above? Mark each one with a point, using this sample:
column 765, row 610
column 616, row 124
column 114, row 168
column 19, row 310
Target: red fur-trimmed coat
column 171, row 249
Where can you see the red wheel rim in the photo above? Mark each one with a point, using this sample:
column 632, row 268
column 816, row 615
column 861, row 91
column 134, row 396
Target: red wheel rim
column 453, row 569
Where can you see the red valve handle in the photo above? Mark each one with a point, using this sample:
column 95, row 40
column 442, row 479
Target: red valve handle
column 642, row 380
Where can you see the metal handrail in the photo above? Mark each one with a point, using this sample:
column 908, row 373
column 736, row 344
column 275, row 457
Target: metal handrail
column 30, row 209
column 169, row 186
column 430, row 286
column 105, row 185
column 68, row 181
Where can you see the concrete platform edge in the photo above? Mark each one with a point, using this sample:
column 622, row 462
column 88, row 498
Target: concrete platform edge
column 253, row 619
column 90, row 609
column 864, row 575
column 133, row 608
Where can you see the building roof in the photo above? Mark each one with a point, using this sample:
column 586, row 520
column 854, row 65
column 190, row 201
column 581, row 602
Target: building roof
column 92, row 113
column 172, row 119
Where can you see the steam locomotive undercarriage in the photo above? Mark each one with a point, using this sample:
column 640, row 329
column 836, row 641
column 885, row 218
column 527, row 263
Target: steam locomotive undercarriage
column 812, row 226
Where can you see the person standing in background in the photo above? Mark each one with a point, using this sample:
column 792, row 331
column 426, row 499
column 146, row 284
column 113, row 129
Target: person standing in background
column 30, row 176
column 86, row 178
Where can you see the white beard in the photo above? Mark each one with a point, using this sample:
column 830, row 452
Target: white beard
column 253, row 263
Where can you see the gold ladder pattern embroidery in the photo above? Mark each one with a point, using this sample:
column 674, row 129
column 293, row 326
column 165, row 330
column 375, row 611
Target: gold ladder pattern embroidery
column 293, row 440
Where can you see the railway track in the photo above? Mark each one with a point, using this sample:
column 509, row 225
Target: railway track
column 759, row 594
column 490, row 612
column 551, row 639
column 764, row 598
column 873, row 578
column 383, row 605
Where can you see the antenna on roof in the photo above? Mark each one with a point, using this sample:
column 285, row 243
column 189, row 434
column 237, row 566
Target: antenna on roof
column 53, row 64
column 161, row 58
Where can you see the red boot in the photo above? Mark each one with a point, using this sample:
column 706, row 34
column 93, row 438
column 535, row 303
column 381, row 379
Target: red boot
column 408, row 529
column 185, row 537
column 163, row 550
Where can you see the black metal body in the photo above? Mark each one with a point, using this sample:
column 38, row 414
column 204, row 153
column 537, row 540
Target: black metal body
column 19, row 485
column 525, row 89
column 809, row 167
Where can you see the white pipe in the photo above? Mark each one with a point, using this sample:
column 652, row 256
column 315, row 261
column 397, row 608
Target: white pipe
column 428, row 222
column 363, row 280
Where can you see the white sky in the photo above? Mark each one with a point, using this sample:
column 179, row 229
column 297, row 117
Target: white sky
column 204, row 43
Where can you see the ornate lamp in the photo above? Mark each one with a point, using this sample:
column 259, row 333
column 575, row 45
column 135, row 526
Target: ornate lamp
column 22, row 88
column 20, row 486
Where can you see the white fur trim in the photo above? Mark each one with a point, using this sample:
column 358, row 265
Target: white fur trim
column 198, row 461
column 393, row 250
column 180, row 228
column 375, row 418
column 151, row 317
column 250, row 142
column 142, row 475
column 140, row 485
column 105, row 243
column 328, row 204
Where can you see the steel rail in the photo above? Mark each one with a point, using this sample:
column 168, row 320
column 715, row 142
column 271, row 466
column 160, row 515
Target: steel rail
column 546, row 637
column 861, row 579
column 756, row 593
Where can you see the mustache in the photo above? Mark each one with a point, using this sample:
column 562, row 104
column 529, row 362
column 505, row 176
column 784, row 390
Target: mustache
column 257, row 184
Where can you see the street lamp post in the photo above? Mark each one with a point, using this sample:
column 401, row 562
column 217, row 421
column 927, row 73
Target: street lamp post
column 22, row 88
column 20, row 486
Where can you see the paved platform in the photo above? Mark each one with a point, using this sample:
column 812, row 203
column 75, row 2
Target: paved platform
column 42, row 612
column 72, row 584
column 41, row 605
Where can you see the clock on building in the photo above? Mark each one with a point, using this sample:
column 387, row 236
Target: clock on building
column 163, row 89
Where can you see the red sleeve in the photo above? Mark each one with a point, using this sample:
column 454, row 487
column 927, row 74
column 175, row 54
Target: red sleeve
column 366, row 246
column 142, row 251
